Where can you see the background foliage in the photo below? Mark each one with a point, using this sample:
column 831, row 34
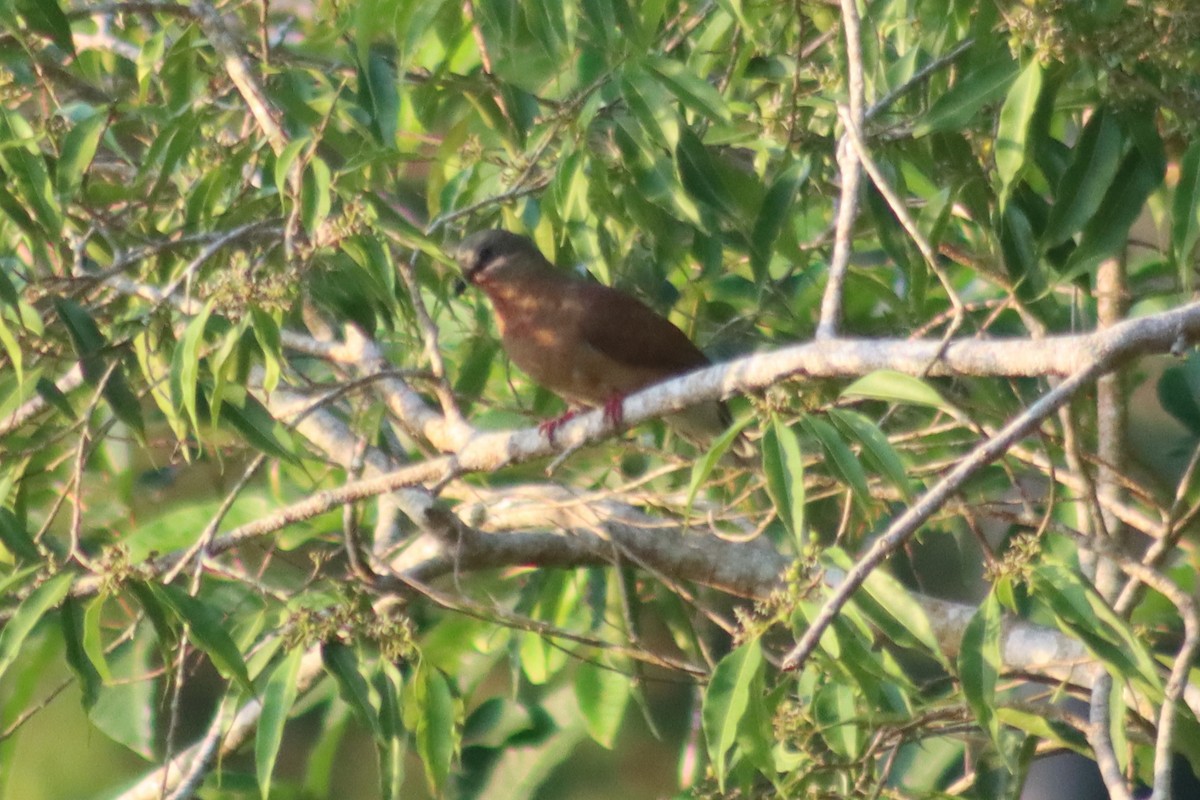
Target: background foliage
column 202, row 209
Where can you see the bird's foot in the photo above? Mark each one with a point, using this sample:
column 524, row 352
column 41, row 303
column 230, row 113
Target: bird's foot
column 614, row 411
column 551, row 426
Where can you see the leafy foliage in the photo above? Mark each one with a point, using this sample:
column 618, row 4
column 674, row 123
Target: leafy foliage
column 224, row 299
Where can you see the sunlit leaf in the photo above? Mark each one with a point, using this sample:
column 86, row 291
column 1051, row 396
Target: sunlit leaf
column 278, row 697
column 735, row 684
column 1094, row 162
column 40, row 602
column 1012, row 135
column 896, row 387
column 980, row 663
column 783, row 466
column 602, row 693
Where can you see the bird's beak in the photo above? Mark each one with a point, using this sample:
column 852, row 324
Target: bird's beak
column 461, row 284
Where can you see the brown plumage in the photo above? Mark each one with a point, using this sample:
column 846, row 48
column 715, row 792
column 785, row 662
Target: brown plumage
column 590, row 344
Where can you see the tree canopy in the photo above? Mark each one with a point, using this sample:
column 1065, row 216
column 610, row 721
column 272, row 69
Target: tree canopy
column 276, row 514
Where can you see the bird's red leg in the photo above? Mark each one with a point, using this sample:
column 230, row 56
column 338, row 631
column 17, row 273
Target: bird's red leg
column 614, row 411
column 551, row 426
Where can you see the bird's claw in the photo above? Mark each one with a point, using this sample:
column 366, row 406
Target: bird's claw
column 551, row 426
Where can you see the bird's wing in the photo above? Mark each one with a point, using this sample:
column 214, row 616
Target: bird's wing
column 628, row 331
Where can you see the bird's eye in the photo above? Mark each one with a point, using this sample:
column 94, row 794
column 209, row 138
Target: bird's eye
column 485, row 256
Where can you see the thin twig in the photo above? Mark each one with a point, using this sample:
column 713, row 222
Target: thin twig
column 851, row 175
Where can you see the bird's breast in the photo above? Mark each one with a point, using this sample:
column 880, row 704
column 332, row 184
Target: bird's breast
column 543, row 337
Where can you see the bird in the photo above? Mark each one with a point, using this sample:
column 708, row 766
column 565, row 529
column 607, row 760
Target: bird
column 589, row 343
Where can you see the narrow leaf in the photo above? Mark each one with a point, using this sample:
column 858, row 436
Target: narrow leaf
column 40, row 602
column 78, row 149
column 774, row 213
column 896, row 387
column 436, row 726
column 962, row 101
column 602, row 695
column 1185, row 209
column 14, row 537
column 206, row 628
column 979, row 664
column 1094, row 163
column 185, row 365
column 1107, row 233
column 1012, row 134
column 875, row 447
column 699, row 173
column 734, row 684
column 783, row 466
column 279, row 696
column 342, row 663
column 78, row 658
column 841, row 458
column 47, row 18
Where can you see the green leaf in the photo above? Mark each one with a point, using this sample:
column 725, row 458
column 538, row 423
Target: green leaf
column 261, row 431
column 602, row 694
column 315, row 196
column 1059, row 732
column 52, row 395
column 342, row 663
column 185, row 364
column 979, row 664
column 47, row 18
column 692, row 91
column 389, row 686
column 126, row 710
column 1012, row 134
column 157, row 612
column 699, row 173
column 1177, row 397
column 13, row 349
column 703, row 467
column 78, row 658
column 286, row 161
column 896, row 387
column 736, row 683
column 876, row 449
column 266, row 331
column 93, row 636
column 841, row 458
column 40, row 602
column 123, row 402
column 78, row 150
column 90, row 345
column 378, row 95
column 899, row 612
column 1020, row 257
column 774, row 213
column 836, row 712
column 651, row 107
column 85, row 336
column 1185, row 208
column 1094, row 163
column 14, row 537
column 955, row 107
column 1107, row 233
column 436, row 729
column 278, row 697
column 783, row 467
column 28, row 173
column 1082, row 613
column 206, row 628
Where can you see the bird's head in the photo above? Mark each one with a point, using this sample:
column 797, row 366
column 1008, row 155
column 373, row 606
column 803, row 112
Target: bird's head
column 493, row 256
